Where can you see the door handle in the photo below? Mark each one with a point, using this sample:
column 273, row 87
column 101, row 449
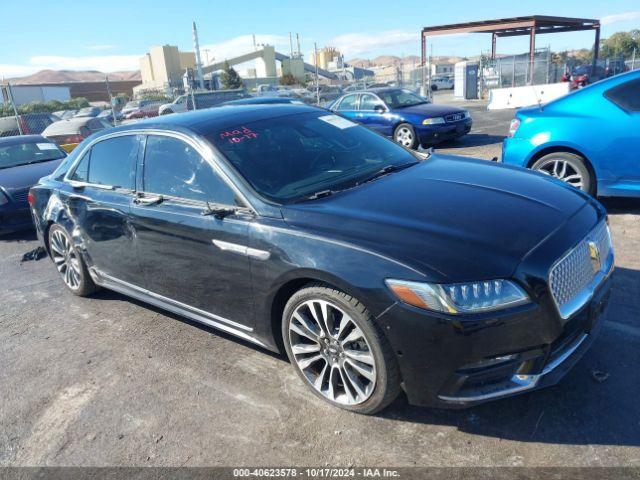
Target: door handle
column 148, row 200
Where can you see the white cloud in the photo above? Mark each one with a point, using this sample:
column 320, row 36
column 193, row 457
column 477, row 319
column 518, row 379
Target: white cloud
column 103, row 63
column 351, row 44
column 620, row 17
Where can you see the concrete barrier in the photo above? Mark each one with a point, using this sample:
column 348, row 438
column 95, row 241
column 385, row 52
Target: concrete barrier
column 516, row 97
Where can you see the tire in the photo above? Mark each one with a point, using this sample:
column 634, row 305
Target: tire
column 569, row 168
column 330, row 371
column 166, row 111
column 69, row 263
column 434, row 88
column 405, row 135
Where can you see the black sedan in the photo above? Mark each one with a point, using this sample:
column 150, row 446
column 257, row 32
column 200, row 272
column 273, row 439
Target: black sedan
column 23, row 161
column 374, row 267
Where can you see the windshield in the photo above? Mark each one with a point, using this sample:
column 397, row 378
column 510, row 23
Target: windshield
column 25, row 153
column 291, row 157
column 132, row 105
column 401, row 98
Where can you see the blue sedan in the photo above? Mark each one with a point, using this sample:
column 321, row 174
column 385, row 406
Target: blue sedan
column 23, row 161
column 589, row 138
column 409, row 119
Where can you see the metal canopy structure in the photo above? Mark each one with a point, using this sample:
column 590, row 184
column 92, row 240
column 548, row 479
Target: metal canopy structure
column 511, row 27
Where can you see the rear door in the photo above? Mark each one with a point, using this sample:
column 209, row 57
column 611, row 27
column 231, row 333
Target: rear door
column 188, row 257
column 348, row 106
column 99, row 202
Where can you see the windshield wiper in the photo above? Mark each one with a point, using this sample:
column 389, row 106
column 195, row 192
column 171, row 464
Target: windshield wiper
column 386, row 171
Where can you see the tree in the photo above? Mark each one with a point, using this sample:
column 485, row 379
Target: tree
column 230, row 78
column 621, row 44
column 288, row 79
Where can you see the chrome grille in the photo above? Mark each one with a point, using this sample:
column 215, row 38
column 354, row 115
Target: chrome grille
column 454, row 117
column 571, row 278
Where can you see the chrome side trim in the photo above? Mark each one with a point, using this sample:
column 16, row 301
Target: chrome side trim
column 242, row 250
column 519, row 383
column 174, row 306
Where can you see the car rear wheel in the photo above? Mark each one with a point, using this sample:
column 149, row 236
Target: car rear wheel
column 569, row 168
column 338, row 351
column 69, row 263
column 405, row 135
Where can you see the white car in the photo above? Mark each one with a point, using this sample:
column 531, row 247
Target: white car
column 441, row 83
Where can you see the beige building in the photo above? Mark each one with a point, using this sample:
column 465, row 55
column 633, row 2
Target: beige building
column 163, row 67
column 325, row 56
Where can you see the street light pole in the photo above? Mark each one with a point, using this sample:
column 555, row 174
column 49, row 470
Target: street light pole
column 315, row 60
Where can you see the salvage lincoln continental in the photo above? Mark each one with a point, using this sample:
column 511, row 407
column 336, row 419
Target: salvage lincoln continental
column 376, row 268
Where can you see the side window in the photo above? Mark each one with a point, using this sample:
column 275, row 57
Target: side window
column 626, row 95
column 348, row 103
column 368, row 102
column 174, row 168
column 95, row 125
column 109, row 162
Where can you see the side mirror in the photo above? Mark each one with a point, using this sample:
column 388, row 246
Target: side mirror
column 379, row 109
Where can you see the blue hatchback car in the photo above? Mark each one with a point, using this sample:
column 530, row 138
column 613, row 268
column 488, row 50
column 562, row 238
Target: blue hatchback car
column 409, row 119
column 589, row 138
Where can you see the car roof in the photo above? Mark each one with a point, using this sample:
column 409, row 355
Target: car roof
column 211, row 120
column 19, row 139
column 70, row 125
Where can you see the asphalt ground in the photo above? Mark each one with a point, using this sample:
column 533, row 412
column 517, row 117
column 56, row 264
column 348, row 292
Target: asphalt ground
column 109, row 381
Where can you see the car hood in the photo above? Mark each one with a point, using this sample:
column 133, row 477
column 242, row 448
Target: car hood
column 429, row 110
column 25, row 176
column 451, row 218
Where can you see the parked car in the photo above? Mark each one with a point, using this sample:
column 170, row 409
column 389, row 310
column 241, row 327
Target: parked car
column 408, row 118
column 145, row 109
column 326, row 93
column 69, row 133
column 88, row 112
column 583, row 75
column 30, row 124
column 441, row 83
column 24, row 160
column 376, row 268
column 65, row 114
column 107, row 116
column 589, row 138
column 202, row 100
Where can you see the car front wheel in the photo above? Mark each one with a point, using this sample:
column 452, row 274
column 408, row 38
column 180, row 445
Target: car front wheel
column 569, row 168
column 405, row 135
column 338, row 351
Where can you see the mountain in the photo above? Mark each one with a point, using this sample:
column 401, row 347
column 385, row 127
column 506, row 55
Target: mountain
column 388, row 60
column 70, row 76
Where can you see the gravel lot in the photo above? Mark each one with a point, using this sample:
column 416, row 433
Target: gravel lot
column 108, row 381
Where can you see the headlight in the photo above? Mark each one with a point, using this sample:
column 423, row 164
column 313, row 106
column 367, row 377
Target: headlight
column 460, row 298
column 433, row 121
column 3, row 199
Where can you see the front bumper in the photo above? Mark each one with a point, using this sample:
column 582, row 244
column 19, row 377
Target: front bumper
column 454, row 363
column 434, row 134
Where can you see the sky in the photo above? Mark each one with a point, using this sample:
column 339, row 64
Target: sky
column 112, row 35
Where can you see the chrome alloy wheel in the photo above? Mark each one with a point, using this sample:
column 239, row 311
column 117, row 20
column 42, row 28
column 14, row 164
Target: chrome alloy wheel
column 562, row 169
column 332, row 352
column 404, row 136
column 65, row 259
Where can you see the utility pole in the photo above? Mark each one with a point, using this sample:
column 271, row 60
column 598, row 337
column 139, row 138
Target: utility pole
column 290, row 46
column 315, row 61
column 196, row 46
column 113, row 111
column 633, row 60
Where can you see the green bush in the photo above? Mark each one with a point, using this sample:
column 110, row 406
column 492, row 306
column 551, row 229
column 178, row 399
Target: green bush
column 45, row 107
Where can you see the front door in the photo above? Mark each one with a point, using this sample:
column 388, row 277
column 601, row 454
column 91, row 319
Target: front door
column 99, row 199
column 370, row 113
column 185, row 255
column 348, row 106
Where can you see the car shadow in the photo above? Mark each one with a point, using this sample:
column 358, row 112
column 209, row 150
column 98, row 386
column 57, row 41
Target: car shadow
column 471, row 140
column 621, row 204
column 21, row 236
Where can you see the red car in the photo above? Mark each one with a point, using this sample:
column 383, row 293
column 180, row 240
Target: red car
column 141, row 109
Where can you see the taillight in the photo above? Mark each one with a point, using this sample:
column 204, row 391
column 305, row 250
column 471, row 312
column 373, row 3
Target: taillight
column 513, row 127
column 30, row 198
column 72, row 139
